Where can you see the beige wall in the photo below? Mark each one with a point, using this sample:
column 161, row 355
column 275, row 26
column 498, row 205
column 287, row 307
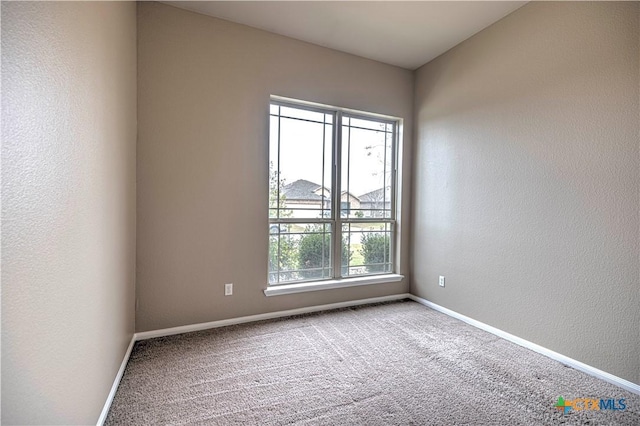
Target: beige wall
column 527, row 180
column 203, row 96
column 68, row 201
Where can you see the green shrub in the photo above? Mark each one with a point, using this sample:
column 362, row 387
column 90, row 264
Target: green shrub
column 288, row 256
column 314, row 251
column 375, row 249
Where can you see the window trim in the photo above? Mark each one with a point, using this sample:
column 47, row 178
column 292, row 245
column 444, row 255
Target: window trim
column 335, row 219
column 305, row 286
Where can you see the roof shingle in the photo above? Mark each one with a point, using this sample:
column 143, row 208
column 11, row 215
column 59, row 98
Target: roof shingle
column 301, row 190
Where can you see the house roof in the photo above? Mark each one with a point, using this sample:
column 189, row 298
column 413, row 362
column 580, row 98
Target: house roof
column 304, row 190
column 376, row 195
column 301, row 190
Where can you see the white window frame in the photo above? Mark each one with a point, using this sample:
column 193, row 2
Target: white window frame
column 336, row 221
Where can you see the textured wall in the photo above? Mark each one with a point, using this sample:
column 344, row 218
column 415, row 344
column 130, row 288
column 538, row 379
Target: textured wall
column 526, row 180
column 204, row 87
column 68, row 206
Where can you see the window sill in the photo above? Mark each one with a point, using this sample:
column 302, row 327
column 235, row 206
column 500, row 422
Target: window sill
column 278, row 290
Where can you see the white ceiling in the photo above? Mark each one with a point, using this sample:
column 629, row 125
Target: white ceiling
column 403, row 33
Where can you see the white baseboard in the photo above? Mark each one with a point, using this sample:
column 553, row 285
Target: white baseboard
column 618, row 381
column 259, row 317
column 116, row 383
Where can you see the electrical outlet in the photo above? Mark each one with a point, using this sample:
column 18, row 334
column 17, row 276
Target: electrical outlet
column 228, row 289
column 441, row 281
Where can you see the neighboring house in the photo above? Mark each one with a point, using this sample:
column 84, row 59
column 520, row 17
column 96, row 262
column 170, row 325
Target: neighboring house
column 372, row 203
column 304, row 198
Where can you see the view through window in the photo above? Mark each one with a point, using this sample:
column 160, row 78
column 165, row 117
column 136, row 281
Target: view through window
column 331, row 194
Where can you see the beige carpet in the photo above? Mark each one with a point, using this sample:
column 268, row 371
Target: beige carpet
column 388, row 364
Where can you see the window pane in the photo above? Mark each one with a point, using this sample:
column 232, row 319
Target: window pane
column 302, row 114
column 368, row 124
column 299, row 252
column 366, row 169
column 276, row 200
column 369, row 248
column 300, row 159
column 301, row 188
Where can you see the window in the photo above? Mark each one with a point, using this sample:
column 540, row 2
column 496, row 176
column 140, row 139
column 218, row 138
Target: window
column 332, row 186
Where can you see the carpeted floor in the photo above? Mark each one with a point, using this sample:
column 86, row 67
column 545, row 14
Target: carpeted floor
column 388, row 364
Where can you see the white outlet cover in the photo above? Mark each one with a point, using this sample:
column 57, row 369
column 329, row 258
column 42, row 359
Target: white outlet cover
column 441, row 281
column 228, row 289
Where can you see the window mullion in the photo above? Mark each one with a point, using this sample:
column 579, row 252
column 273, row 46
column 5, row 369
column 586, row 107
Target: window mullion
column 336, row 228
column 394, row 185
column 278, row 171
